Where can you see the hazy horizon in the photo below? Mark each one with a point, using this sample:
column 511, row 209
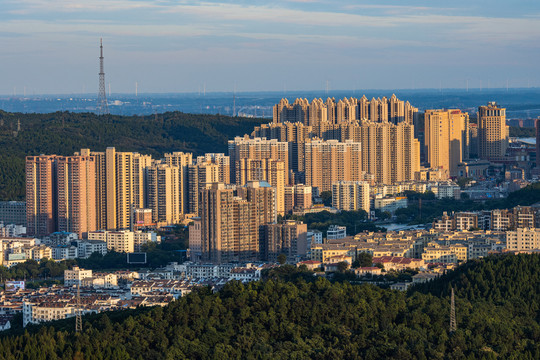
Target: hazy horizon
column 52, row 46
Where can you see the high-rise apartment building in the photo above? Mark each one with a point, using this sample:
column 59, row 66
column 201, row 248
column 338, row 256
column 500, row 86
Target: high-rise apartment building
column 257, row 149
column 330, row 161
column 120, row 186
column 230, row 224
column 347, row 109
column 211, row 168
column 263, row 196
column 293, row 133
column 389, row 152
column 164, row 194
column 182, row 161
column 351, row 195
column 289, row 238
column 298, row 197
column 269, row 170
column 228, row 231
column 492, row 131
column 76, row 194
column 41, row 195
column 446, row 139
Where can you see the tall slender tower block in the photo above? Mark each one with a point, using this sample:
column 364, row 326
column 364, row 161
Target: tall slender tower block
column 102, row 106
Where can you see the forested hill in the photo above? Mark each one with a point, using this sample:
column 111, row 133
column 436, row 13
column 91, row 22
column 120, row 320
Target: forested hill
column 497, row 307
column 63, row 133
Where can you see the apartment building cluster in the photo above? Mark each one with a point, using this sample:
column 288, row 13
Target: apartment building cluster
column 239, row 224
column 57, row 303
column 520, row 225
column 351, row 147
column 19, row 249
column 422, row 246
column 67, row 246
column 496, row 220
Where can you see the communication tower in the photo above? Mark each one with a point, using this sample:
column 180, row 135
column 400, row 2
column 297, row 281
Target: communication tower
column 102, row 106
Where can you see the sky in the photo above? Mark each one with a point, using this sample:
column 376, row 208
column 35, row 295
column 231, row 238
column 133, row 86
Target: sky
column 52, row 46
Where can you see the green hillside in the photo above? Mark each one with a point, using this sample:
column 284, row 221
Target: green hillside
column 497, row 307
column 63, row 133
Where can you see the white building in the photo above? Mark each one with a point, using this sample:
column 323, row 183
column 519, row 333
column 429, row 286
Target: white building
column 391, row 204
column 12, row 230
column 75, row 276
column 85, row 248
column 336, row 232
column 313, row 237
column 124, row 241
column 102, row 280
column 523, row 239
column 350, row 195
column 64, row 252
column 446, row 190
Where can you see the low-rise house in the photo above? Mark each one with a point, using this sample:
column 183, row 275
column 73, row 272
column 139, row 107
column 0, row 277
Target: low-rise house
column 424, row 277
column 371, row 270
column 310, row 264
column 398, row 263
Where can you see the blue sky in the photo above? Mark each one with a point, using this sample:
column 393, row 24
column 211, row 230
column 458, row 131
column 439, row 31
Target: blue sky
column 52, row 46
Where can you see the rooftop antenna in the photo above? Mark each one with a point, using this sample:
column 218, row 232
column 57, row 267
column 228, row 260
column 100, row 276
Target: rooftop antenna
column 78, row 317
column 453, row 323
column 102, row 106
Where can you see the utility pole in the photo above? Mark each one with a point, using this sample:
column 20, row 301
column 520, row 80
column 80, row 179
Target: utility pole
column 453, row 323
column 78, row 317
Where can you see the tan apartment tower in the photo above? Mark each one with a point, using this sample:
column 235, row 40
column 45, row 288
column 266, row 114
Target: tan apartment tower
column 446, row 139
column 330, row 161
column 120, row 186
column 351, row 195
column 257, row 149
column 228, row 226
column 164, row 194
column 40, row 195
column 492, row 131
column 210, row 168
column 76, row 196
column 182, row 161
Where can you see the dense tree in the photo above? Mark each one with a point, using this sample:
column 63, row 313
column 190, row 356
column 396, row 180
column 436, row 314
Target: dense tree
column 363, row 259
column 355, row 221
column 497, row 307
column 326, row 197
column 63, row 133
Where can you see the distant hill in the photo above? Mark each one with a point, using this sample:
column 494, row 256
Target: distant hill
column 497, row 311
column 63, row 133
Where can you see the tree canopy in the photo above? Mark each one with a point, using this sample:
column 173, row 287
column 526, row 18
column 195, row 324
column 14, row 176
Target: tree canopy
column 497, row 308
column 63, row 133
